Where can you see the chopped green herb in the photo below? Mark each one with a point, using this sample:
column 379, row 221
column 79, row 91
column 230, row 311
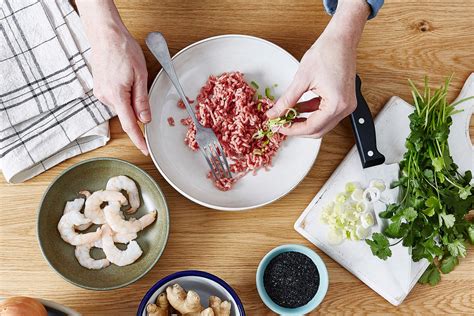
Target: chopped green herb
column 254, row 84
column 431, row 217
column 259, row 96
column 274, row 124
column 268, row 94
column 259, row 106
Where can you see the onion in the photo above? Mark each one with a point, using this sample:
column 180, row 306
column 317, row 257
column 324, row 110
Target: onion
column 22, row 306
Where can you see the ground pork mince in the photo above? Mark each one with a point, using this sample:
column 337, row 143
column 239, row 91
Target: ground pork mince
column 229, row 106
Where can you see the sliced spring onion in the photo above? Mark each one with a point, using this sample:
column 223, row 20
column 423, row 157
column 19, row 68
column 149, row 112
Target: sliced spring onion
column 367, row 219
column 254, row 84
column 259, row 106
column 378, row 184
column 371, row 194
column 273, row 125
column 268, row 94
column 357, row 194
column 351, row 186
column 350, row 214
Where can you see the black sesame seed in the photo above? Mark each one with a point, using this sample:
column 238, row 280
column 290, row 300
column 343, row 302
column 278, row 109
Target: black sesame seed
column 291, row 279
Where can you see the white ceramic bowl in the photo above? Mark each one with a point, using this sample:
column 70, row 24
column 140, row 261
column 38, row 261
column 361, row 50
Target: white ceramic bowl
column 260, row 61
column 205, row 284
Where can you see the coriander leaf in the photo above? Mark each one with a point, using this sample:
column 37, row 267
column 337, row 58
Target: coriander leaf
column 467, row 176
column 393, row 229
column 380, row 246
column 465, row 192
column 431, row 276
column 448, row 219
column 428, row 173
column 433, row 202
column 410, row 214
column 435, row 276
column 438, row 164
column 429, row 211
column 457, row 248
column 391, row 209
column 448, row 264
column 470, row 233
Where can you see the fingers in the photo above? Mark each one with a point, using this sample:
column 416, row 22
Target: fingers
column 129, row 124
column 308, row 106
column 289, row 98
column 315, row 126
column 140, row 101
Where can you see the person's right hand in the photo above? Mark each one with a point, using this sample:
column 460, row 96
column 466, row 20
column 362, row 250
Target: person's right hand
column 118, row 67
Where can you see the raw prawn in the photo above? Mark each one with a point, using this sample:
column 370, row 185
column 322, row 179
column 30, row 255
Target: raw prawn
column 82, row 253
column 76, row 206
column 125, row 183
column 94, row 211
column 114, row 254
column 133, row 225
column 68, row 233
column 121, row 238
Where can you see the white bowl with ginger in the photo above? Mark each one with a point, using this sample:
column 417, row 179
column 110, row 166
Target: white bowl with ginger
column 191, row 293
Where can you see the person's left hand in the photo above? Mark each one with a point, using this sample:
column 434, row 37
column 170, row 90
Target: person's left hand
column 328, row 69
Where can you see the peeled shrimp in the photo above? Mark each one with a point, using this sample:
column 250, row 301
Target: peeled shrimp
column 125, row 183
column 114, row 254
column 118, row 224
column 76, row 206
column 83, row 255
column 68, row 233
column 121, row 238
column 92, row 209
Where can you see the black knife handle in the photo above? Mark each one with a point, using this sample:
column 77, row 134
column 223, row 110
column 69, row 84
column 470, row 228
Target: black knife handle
column 364, row 131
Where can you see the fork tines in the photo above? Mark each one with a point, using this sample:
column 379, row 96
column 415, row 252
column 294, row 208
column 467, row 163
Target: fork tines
column 214, row 155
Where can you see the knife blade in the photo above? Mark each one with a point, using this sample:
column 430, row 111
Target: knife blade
column 374, row 168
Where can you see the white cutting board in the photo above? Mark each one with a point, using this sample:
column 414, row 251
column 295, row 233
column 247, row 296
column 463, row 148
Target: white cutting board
column 392, row 279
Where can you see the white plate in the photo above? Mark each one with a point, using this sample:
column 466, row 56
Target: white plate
column 260, row 61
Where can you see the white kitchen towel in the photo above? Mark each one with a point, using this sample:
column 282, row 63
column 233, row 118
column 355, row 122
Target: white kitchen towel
column 48, row 112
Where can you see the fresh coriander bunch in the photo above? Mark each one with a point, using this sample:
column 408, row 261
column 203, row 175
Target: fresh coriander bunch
column 431, row 217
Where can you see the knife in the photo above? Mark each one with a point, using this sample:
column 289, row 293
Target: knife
column 365, row 137
column 374, row 168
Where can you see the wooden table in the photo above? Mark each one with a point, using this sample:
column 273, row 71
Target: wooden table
column 407, row 40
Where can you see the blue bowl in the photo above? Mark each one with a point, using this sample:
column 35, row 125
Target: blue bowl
column 323, row 280
column 204, row 283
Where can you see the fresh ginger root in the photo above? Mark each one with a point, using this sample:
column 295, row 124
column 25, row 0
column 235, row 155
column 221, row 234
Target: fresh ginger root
column 219, row 307
column 207, row 312
column 188, row 304
column 159, row 309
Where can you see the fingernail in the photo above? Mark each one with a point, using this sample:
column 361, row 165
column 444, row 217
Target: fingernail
column 145, row 116
column 271, row 112
column 145, row 151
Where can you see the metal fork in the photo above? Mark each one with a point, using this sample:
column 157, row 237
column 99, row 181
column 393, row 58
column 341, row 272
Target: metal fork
column 205, row 137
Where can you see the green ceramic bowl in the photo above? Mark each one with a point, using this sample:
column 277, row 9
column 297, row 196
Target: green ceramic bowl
column 92, row 175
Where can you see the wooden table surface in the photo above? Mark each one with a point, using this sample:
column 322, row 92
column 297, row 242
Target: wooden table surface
column 407, row 40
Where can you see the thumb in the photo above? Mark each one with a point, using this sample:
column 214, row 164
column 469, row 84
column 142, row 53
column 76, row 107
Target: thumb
column 140, row 101
column 289, row 98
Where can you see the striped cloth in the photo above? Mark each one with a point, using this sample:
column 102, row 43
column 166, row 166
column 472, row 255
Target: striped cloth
column 48, row 112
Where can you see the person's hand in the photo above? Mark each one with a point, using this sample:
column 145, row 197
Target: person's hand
column 118, row 67
column 328, row 70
